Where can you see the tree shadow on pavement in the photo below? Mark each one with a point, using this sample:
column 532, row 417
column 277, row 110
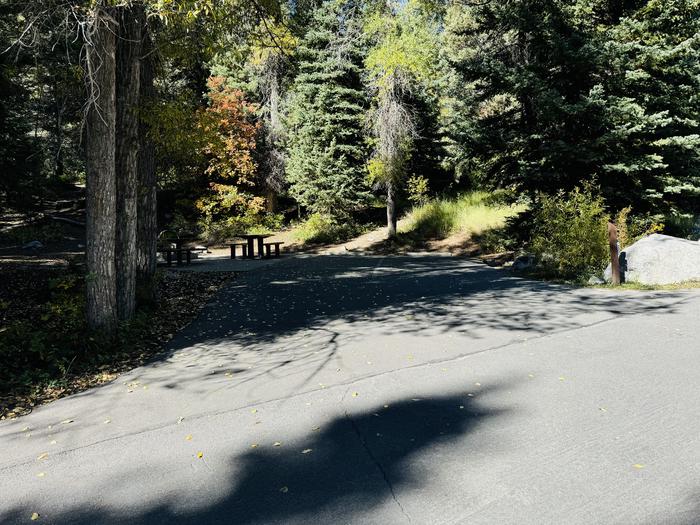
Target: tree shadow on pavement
column 338, row 473
column 295, row 318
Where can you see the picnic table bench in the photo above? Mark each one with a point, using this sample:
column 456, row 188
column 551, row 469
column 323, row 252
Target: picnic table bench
column 168, row 255
column 248, row 246
column 268, row 248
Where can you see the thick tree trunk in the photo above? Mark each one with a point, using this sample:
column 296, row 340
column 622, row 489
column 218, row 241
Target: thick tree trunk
column 101, row 303
column 147, row 228
column 391, row 210
column 127, row 145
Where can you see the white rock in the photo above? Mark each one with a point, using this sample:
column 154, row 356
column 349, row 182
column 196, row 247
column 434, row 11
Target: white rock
column 659, row 259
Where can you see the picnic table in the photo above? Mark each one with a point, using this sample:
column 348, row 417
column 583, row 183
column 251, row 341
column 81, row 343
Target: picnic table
column 251, row 239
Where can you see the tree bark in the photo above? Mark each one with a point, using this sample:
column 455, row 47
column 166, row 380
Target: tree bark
column 147, row 216
column 101, row 300
column 127, row 145
column 391, row 209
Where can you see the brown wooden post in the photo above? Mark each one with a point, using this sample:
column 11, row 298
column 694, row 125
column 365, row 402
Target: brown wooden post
column 614, row 254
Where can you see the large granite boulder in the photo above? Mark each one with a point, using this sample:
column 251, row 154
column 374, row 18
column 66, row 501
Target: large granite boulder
column 659, row 259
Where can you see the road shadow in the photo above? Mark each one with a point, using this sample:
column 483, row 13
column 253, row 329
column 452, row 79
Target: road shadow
column 295, row 317
column 339, row 472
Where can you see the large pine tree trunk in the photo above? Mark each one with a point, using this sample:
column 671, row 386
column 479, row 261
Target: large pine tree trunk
column 391, row 210
column 127, row 145
column 147, row 227
column 101, row 304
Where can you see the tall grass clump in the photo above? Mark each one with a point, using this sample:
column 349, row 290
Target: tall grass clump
column 473, row 212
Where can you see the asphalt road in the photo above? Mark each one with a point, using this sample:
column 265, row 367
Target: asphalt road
column 351, row 389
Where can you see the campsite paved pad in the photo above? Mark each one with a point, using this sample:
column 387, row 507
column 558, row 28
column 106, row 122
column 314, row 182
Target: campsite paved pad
column 351, row 389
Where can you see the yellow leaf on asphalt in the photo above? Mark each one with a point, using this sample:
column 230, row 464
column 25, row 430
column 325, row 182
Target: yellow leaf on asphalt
column 638, row 466
column 314, row 429
column 26, row 429
column 107, row 421
column 66, row 421
column 277, row 444
column 200, row 455
column 41, row 474
column 562, row 378
column 253, row 411
column 35, row 516
column 53, row 442
column 43, row 456
column 355, row 394
column 180, row 420
column 188, row 437
column 306, row 451
column 284, row 490
column 254, row 445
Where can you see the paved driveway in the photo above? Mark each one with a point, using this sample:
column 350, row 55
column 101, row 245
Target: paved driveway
column 357, row 389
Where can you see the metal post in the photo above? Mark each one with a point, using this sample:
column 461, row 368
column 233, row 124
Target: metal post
column 614, row 254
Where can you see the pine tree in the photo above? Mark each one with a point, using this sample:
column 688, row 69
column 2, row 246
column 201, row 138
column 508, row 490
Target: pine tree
column 326, row 149
column 651, row 108
column 520, row 115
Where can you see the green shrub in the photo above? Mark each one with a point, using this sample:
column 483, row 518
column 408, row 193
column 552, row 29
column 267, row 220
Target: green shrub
column 324, row 229
column 570, row 233
column 417, row 189
column 215, row 231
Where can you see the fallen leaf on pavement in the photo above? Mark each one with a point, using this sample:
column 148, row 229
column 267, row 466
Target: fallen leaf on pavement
column 43, row 456
column 188, row 437
column 306, row 451
column 638, row 466
column 35, row 516
column 200, row 455
column 284, row 490
column 277, row 444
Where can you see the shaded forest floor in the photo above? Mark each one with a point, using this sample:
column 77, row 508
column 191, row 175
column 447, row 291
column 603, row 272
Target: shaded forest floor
column 30, row 375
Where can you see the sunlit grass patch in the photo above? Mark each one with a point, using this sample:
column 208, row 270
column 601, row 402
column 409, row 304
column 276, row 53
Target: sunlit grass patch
column 471, row 213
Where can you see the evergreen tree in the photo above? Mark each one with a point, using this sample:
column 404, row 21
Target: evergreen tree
column 520, row 113
column 651, row 109
column 326, row 155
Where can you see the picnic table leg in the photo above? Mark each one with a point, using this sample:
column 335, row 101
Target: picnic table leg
column 250, row 248
column 169, row 256
column 233, row 251
column 277, row 250
column 261, row 248
column 189, row 257
column 179, row 257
